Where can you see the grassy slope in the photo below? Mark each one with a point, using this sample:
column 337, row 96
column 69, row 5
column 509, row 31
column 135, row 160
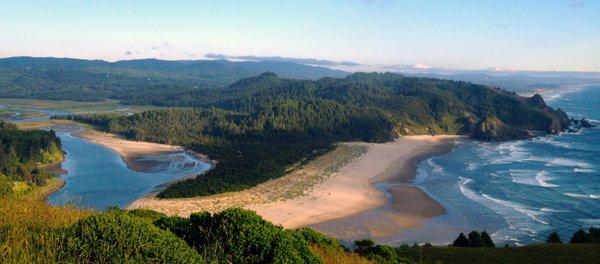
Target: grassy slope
column 26, row 223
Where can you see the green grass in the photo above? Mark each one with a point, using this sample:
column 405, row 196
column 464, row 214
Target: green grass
column 75, row 106
column 27, row 224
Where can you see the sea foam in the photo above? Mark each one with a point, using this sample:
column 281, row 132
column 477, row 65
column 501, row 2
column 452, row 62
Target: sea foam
column 561, row 162
column 584, row 196
column 532, row 177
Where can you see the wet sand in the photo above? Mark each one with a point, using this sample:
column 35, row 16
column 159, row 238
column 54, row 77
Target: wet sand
column 351, row 191
column 345, row 202
column 135, row 153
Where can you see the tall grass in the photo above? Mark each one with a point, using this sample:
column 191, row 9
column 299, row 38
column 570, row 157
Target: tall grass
column 334, row 256
column 28, row 225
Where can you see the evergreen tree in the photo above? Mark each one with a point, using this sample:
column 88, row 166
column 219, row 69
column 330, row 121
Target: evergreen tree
column 487, row 240
column 475, row 239
column 461, row 241
column 580, row 237
column 553, row 238
column 594, row 235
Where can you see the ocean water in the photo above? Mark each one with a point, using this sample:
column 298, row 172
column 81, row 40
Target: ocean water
column 519, row 191
column 98, row 177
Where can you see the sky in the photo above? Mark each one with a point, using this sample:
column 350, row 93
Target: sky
column 542, row 35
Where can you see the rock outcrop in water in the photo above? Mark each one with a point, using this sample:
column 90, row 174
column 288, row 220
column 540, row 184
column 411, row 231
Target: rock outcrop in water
column 581, row 123
column 492, row 128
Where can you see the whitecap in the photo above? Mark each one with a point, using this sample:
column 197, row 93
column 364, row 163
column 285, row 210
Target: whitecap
column 551, row 141
column 505, row 208
column 584, row 196
column 511, row 152
column 580, row 170
column 436, row 168
column 523, row 176
column 561, row 162
column 551, row 210
column 532, row 177
column 542, row 179
column 533, row 214
column 473, row 166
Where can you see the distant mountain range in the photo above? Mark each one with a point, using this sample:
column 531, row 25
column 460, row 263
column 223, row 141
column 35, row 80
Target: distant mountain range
column 94, row 80
column 144, row 79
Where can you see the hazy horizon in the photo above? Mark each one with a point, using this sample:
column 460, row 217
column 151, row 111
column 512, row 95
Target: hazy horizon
column 561, row 35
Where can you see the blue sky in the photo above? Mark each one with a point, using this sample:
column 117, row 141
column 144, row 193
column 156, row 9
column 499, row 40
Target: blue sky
column 477, row 34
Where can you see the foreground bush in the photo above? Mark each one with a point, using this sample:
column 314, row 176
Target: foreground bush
column 318, row 239
column 117, row 236
column 240, row 236
column 378, row 253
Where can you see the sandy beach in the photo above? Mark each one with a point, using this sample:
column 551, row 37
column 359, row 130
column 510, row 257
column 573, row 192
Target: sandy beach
column 350, row 191
column 337, row 185
column 133, row 152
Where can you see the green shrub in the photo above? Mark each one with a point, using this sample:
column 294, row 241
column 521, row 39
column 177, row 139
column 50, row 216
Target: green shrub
column 245, row 237
column 118, row 237
column 239, row 236
column 146, row 214
column 182, row 228
column 315, row 238
column 378, row 253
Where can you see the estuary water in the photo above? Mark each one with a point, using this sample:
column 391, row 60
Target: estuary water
column 98, row 177
column 519, row 191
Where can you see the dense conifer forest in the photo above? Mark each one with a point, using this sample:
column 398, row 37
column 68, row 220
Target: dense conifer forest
column 148, row 81
column 260, row 126
column 21, row 152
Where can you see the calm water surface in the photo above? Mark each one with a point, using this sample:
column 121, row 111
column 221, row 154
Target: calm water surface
column 99, row 178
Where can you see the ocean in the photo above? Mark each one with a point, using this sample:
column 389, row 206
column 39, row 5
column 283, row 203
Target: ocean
column 518, row 191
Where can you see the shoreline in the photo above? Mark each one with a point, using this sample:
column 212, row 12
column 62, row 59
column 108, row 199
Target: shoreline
column 132, row 152
column 352, row 191
column 344, row 193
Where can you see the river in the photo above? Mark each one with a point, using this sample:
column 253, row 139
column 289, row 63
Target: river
column 98, row 178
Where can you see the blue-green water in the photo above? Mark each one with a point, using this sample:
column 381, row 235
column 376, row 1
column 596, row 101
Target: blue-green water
column 519, row 191
column 98, row 177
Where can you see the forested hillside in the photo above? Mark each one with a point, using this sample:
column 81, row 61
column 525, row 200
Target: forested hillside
column 146, row 81
column 22, row 151
column 258, row 127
